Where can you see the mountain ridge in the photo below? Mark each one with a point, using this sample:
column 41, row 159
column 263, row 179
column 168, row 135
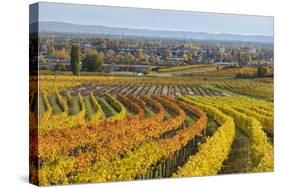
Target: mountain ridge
column 52, row 26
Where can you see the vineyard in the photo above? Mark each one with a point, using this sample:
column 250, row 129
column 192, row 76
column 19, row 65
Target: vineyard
column 100, row 129
column 181, row 68
column 229, row 72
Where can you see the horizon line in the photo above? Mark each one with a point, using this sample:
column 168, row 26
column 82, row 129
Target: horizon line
column 151, row 29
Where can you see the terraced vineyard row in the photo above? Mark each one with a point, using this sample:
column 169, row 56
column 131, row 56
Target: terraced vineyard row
column 261, row 148
column 148, row 90
column 254, row 88
column 161, row 127
column 100, row 133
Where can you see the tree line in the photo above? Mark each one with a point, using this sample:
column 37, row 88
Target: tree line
column 91, row 61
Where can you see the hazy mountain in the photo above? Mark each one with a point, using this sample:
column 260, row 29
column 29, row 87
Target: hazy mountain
column 97, row 29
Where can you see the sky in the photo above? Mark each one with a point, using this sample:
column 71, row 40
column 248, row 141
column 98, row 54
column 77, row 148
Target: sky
column 156, row 19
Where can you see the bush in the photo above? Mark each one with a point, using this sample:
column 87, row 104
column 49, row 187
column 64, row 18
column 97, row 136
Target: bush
column 263, row 71
column 93, row 61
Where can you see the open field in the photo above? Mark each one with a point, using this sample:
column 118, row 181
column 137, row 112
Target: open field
column 227, row 72
column 182, row 70
column 98, row 129
column 185, row 67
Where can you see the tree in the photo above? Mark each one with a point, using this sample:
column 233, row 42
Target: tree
column 109, row 56
column 140, row 55
column 129, row 58
column 248, row 57
column 93, row 61
column 110, row 53
column 60, row 67
column 50, row 50
column 42, row 60
column 187, row 58
column 262, row 70
column 167, row 54
column 61, row 53
column 75, row 59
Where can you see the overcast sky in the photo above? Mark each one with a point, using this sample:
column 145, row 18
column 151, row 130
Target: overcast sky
column 156, row 19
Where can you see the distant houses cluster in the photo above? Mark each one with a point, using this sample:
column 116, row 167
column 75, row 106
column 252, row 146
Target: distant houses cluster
column 135, row 55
